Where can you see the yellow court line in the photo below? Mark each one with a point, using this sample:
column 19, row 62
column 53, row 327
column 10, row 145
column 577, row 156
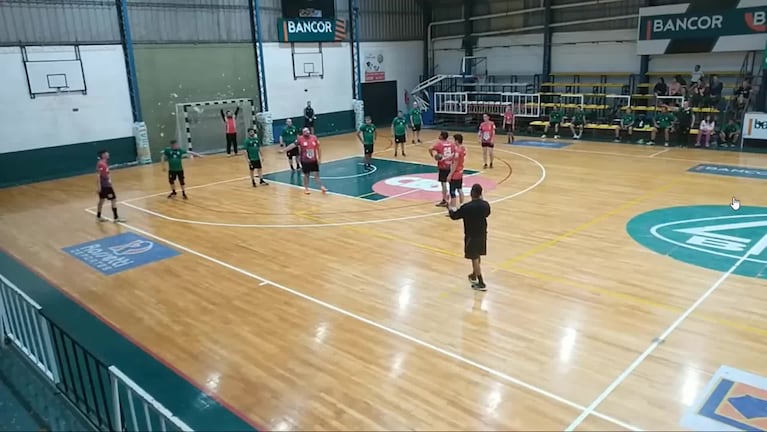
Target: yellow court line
column 612, row 212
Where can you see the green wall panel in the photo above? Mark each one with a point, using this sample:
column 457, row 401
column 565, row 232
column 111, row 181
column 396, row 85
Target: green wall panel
column 333, row 123
column 171, row 74
column 63, row 161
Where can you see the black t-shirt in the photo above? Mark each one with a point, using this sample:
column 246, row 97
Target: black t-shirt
column 309, row 113
column 684, row 116
column 474, row 214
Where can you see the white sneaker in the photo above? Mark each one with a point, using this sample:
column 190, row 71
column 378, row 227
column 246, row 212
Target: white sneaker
column 556, row 136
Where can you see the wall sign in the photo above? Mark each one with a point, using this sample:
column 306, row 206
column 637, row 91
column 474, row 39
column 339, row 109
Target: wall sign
column 755, row 126
column 702, row 27
column 311, row 30
column 374, row 67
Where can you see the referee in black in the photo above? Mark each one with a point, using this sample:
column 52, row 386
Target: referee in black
column 474, row 214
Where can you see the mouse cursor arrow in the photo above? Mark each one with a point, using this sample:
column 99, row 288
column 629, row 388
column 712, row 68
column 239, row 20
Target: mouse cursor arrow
column 735, row 204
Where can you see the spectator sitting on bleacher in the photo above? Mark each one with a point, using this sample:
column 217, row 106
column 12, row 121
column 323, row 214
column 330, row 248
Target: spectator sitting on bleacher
column 662, row 122
column 627, row 124
column 706, row 128
column 555, row 118
column 743, row 93
column 700, row 97
column 660, row 89
column 729, row 134
column 578, row 120
column 697, row 75
column 675, row 89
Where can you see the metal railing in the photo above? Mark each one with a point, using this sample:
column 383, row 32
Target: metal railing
column 102, row 394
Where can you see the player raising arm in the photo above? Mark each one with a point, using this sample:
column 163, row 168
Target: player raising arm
column 309, row 148
column 175, row 155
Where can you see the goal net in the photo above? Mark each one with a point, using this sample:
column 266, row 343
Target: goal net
column 201, row 128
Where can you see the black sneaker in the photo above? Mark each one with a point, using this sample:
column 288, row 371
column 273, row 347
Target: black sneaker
column 479, row 286
column 263, row 183
column 472, row 278
column 172, row 194
column 442, row 204
column 184, row 195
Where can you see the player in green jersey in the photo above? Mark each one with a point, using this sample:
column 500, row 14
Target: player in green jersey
column 578, row 121
column 663, row 122
column 399, row 131
column 627, row 124
column 367, row 136
column 175, row 155
column 555, row 118
column 289, row 136
column 252, row 146
column 729, row 134
column 415, row 122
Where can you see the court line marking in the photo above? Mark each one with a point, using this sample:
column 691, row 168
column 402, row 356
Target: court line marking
column 535, row 250
column 762, row 243
column 339, row 224
column 659, row 153
column 399, row 195
column 375, row 168
column 424, row 344
column 628, row 155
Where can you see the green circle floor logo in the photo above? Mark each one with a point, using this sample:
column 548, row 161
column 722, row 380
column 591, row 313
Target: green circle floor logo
column 714, row 237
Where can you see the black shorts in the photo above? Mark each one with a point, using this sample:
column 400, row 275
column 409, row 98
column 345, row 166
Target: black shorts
column 309, row 123
column 292, row 153
column 662, row 128
column 487, row 144
column 455, row 186
column 474, row 247
column 254, row 164
column 107, row 193
column 400, row 139
column 173, row 175
column 309, row 167
column 575, row 123
column 368, row 149
column 509, row 128
column 416, row 128
column 553, row 123
column 442, row 176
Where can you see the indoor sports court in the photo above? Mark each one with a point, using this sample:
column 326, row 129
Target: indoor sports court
column 343, row 312
column 626, row 261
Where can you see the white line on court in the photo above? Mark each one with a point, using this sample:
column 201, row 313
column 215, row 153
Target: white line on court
column 413, row 339
column 659, row 153
column 756, row 249
column 339, row 224
column 366, row 173
column 263, row 283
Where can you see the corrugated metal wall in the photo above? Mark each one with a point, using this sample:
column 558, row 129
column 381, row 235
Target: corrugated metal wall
column 58, row 21
column 390, row 20
column 184, row 21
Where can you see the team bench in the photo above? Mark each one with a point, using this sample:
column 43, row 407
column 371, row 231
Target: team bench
column 598, row 126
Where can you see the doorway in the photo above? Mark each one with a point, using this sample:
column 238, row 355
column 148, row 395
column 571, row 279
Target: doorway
column 380, row 99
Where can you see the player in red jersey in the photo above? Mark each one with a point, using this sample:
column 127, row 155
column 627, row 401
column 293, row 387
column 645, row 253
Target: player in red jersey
column 509, row 123
column 442, row 151
column 105, row 190
column 486, row 136
column 456, row 172
column 309, row 148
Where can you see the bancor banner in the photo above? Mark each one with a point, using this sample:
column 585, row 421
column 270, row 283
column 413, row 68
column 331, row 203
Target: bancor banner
column 703, row 26
column 755, row 126
column 311, row 30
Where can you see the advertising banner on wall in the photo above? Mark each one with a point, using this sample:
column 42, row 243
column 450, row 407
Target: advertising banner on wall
column 374, row 66
column 755, row 126
column 703, row 26
column 311, row 30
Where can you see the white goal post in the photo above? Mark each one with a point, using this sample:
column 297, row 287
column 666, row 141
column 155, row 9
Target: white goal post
column 185, row 112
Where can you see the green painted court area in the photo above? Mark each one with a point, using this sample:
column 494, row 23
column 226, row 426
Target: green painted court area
column 348, row 176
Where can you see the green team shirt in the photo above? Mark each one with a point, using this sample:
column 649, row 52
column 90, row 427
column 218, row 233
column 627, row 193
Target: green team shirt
column 555, row 116
column 579, row 117
column 253, row 147
column 175, row 158
column 731, row 128
column 628, row 119
column 400, row 125
column 289, row 134
column 368, row 134
column 415, row 116
column 664, row 120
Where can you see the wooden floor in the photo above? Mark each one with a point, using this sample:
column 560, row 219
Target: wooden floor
column 329, row 312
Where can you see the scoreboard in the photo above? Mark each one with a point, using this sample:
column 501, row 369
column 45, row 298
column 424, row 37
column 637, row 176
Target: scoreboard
column 292, row 9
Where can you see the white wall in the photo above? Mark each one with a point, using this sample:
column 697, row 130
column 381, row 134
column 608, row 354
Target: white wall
column 56, row 120
column 403, row 62
column 722, row 61
column 512, row 55
column 607, row 51
column 287, row 96
column 447, row 56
